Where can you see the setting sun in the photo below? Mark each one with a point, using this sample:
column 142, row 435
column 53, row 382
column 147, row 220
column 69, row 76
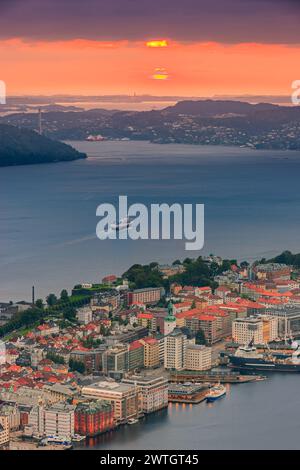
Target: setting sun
column 159, row 43
column 160, row 73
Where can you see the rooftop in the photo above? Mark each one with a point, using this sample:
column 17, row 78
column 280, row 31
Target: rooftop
column 270, row 267
column 146, row 289
column 144, row 379
column 197, row 347
column 93, row 406
column 110, row 385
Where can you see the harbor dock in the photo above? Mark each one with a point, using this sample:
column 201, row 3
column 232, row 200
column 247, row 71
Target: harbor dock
column 212, row 377
column 187, row 393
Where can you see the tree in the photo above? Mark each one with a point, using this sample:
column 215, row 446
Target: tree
column 176, row 262
column 214, row 268
column 39, row 303
column 162, row 302
column 200, row 337
column 244, row 264
column 197, row 273
column 77, row 366
column 64, row 297
column 90, row 342
column 51, row 300
column 153, row 265
column 69, row 313
column 55, row 358
column 102, row 329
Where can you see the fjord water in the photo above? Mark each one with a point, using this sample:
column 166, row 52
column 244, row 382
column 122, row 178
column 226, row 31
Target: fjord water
column 258, row 415
column 48, row 212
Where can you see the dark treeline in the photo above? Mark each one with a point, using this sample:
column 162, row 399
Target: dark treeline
column 24, row 147
column 197, row 273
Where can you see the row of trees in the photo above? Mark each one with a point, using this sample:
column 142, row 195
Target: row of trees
column 286, row 258
column 55, row 358
column 65, row 306
column 52, row 300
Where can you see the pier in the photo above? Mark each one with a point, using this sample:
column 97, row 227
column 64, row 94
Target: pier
column 212, row 377
column 187, row 393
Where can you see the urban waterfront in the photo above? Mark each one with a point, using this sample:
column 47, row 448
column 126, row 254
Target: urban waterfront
column 258, row 415
column 48, row 212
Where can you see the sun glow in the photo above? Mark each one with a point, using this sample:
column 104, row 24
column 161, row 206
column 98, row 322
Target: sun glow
column 157, row 43
column 160, row 73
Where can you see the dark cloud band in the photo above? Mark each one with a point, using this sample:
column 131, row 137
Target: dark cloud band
column 228, row 21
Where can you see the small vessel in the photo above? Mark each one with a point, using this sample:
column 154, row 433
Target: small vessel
column 78, row 438
column 247, row 358
column 95, row 138
column 132, row 421
column 123, row 223
column 216, row 392
column 63, row 441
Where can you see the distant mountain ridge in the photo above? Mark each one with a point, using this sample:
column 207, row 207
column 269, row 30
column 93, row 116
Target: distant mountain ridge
column 24, row 147
column 202, row 122
column 210, row 108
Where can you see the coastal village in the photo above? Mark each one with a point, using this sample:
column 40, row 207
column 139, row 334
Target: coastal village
column 118, row 353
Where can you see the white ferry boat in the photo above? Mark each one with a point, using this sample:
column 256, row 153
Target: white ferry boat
column 216, row 392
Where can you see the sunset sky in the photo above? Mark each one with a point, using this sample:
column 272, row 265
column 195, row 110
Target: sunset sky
column 166, row 47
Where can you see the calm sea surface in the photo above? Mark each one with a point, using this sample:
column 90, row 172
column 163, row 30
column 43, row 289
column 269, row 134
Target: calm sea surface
column 260, row 415
column 48, row 212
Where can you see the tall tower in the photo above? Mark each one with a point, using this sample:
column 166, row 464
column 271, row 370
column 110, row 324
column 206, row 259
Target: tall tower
column 40, row 122
column 33, row 296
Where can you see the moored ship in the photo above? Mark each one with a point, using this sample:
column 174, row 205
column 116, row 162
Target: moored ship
column 247, row 358
column 216, row 392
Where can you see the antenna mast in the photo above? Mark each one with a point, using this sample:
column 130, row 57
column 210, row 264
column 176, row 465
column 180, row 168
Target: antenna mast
column 40, row 122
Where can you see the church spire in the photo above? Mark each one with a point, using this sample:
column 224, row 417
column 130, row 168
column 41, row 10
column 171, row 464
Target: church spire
column 170, row 316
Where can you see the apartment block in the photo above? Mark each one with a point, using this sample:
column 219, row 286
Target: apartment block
column 249, row 329
column 150, row 295
column 175, row 350
column 198, row 357
column 154, row 392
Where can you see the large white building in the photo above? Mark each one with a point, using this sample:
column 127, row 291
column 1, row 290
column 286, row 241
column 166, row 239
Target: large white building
column 154, row 392
column 288, row 320
column 175, row 350
column 125, row 397
column 198, row 357
column 248, row 329
column 56, row 420
column 84, row 315
column 59, row 420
